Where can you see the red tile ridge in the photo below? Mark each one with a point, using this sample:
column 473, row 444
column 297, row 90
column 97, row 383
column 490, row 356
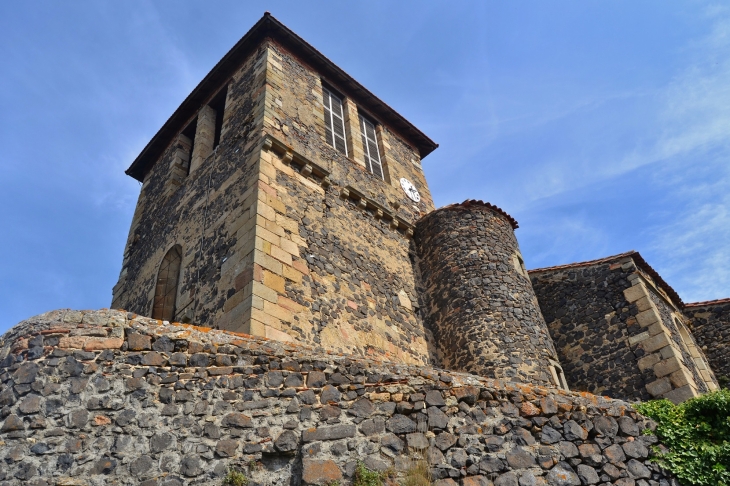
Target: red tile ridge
column 469, row 203
column 638, row 259
column 709, row 302
column 587, row 263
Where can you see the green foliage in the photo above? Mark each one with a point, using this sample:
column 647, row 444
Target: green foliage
column 366, row 477
column 235, row 478
column 697, row 434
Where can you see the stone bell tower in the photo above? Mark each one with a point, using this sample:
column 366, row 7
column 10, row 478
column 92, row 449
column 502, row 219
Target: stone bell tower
column 279, row 200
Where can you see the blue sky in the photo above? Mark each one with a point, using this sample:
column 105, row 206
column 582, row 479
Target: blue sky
column 600, row 126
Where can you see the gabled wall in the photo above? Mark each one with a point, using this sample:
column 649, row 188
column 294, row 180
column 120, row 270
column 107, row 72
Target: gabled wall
column 618, row 333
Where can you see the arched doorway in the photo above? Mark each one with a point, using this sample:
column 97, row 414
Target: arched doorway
column 163, row 306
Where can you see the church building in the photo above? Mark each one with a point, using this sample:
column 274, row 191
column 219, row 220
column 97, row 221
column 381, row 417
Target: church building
column 283, row 199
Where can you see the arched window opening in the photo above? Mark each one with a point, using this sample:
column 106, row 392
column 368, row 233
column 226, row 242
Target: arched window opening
column 163, row 306
column 558, row 376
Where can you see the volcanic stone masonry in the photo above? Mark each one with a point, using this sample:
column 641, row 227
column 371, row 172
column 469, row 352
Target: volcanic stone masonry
column 479, row 301
column 250, row 220
column 106, row 397
column 711, row 328
column 180, row 204
column 619, row 332
column 281, row 235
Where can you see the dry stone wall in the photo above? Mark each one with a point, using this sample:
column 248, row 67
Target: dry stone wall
column 106, row 397
column 711, row 329
column 479, row 302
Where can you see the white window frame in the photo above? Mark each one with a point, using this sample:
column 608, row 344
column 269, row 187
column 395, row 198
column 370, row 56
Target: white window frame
column 370, row 160
column 332, row 117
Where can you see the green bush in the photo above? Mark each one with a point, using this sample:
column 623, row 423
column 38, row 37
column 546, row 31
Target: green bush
column 235, row 478
column 697, row 435
column 366, row 477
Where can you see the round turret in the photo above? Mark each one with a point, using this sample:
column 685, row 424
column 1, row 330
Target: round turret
column 479, row 302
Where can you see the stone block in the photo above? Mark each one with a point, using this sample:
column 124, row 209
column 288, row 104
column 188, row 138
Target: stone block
column 274, row 227
column 669, row 351
column 649, row 361
column 638, row 338
column 138, row 342
column 277, row 335
column 644, row 304
column 647, row 318
column 659, row 387
column 635, row 293
column 266, row 293
column 289, row 304
column 666, row 367
column 681, row 394
column 275, row 204
column 680, row 378
column 274, row 282
column 266, row 318
column 656, row 328
column 267, row 262
column 265, row 211
column 291, row 273
column 320, row 472
column 278, row 312
column 72, row 342
column 289, row 246
column 655, row 343
column 300, row 266
column 266, row 235
column 96, row 343
column 281, row 255
column 234, row 300
column 334, row 432
column 706, row 376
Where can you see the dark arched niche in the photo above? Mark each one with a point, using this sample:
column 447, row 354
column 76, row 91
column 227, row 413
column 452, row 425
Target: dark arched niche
column 163, row 307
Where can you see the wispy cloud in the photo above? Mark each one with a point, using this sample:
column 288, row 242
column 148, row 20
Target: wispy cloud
column 695, row 245
column 692, row 118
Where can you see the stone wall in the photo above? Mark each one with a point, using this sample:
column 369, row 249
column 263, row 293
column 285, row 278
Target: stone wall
column 617, row 331
column 207, row 212
column 683, row 364
column 344, row 230
column 589, row 320
column 711, row 328
column 281, row 235
column 478, row 300
column 106, row 397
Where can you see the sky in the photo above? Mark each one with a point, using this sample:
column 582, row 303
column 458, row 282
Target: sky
column 602, row 127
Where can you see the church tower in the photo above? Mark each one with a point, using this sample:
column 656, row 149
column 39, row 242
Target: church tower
column 279, row 200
